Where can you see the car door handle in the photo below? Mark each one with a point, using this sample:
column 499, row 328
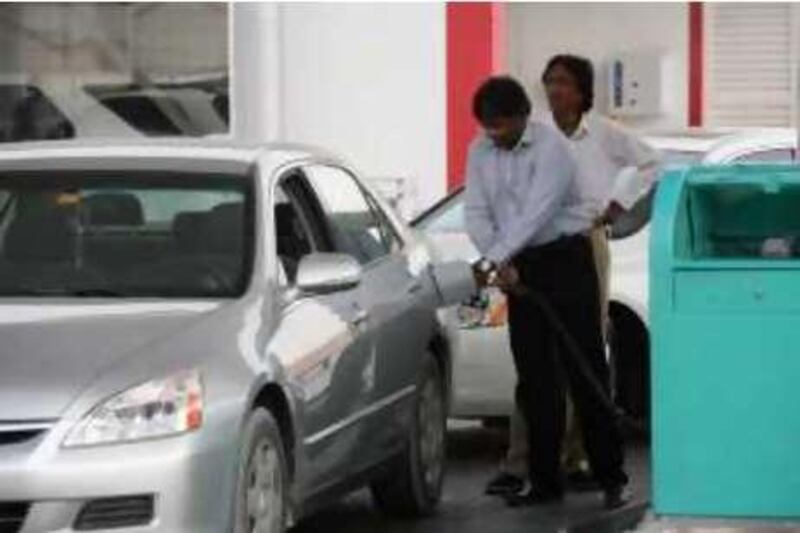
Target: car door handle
column 361, row 316
column 414, row 287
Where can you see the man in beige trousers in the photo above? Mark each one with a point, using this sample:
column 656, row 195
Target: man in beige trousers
column 615, row 170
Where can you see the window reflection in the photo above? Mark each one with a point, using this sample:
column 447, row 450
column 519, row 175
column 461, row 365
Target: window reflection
column 113, row 69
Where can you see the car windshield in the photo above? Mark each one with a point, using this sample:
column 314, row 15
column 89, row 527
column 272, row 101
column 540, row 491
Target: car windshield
column 125, row 234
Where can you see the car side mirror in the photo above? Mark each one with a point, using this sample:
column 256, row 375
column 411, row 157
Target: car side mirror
column 321, row 273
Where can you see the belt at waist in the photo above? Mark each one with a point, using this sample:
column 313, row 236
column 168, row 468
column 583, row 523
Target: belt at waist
column 566, row 242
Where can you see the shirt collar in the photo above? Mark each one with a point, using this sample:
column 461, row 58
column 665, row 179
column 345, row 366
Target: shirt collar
column 584, row 128
column 527, row 137
column 526, row 140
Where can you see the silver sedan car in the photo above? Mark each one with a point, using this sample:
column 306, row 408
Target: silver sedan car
column 202, row 338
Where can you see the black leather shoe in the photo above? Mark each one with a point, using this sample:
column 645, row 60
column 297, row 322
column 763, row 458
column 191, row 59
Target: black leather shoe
column 582, row 481
column 617, row 497
column 504, row 485
column 534, row 497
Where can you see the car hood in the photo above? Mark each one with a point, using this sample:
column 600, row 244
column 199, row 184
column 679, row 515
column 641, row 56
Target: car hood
column 50, row 352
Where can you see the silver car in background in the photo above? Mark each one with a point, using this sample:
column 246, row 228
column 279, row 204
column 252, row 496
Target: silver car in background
column 199, row 338
column 483, row 368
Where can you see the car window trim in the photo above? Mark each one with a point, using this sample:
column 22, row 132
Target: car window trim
column 310, row 220
column 383, row 217
column 316, row 234
column 369, row 265
column 431, row 211
column 383, row 214
column 385, row 225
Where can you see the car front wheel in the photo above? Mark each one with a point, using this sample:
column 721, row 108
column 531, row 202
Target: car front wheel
column 413, row 484
column 262, row 487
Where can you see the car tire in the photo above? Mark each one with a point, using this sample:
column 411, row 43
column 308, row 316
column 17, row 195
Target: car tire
column 630, row 357
column 262, row 486
column 412, row 486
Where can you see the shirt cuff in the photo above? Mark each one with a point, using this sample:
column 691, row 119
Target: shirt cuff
column 626, row 191
column 499, row 253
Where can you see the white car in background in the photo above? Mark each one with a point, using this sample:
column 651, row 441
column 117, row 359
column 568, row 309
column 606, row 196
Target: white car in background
column 57, row 107
column 483, row 369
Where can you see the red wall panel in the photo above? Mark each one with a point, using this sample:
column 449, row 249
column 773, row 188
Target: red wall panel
column 475, row 50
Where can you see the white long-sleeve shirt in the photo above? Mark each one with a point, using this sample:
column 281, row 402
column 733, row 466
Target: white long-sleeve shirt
column 526, row 196
column 613, row 164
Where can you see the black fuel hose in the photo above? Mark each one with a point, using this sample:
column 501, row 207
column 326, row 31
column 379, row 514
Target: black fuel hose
column 577, row 358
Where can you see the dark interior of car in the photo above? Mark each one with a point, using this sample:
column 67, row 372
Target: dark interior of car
column 106, row 245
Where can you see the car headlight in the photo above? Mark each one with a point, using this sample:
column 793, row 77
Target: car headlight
column 489, row 309
column 158, row 408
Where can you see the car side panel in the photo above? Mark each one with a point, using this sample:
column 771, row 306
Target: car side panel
column 326, row 359
column 403, row 324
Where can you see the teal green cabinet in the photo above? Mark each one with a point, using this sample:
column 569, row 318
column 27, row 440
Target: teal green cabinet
column 725, row 322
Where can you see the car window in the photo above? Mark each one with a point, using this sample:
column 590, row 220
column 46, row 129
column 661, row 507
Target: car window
column 778, row 155
column 448, row 218
column 160, row 207
column 166, row 109
column 143, row 113
column 221, row 105
column 126, row 234
column 354, row 227
column 293, row 235
column 388, row 231
column 26, row 114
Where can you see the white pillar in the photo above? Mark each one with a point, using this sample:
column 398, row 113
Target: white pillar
column 256, row 77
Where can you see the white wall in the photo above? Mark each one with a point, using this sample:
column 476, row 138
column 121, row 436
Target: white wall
column 256, row 50
column 180, row 38
column 157, row 39
column 598, row 31
column 366, row 81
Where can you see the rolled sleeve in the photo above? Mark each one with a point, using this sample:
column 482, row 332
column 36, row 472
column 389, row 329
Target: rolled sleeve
column 639, row 167
column 479, row 221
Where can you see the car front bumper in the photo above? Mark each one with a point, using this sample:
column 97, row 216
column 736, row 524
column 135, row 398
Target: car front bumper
column 190, row 479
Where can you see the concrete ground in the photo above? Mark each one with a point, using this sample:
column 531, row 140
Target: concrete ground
column 473, row 457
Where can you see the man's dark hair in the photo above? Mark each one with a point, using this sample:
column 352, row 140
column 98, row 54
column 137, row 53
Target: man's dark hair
column 500, row 97
column 583, row 72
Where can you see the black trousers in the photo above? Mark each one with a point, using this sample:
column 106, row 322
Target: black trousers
column 564, row 273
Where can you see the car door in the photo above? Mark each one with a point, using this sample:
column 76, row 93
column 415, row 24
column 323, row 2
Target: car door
column 392, row 293
column 323, row 345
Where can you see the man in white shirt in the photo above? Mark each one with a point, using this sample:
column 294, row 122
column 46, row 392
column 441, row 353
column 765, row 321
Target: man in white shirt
column 526, row 215
column 615, row 169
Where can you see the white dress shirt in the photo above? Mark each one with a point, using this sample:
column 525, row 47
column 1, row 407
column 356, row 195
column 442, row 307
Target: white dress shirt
column 613, row 164
column 522, row 197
